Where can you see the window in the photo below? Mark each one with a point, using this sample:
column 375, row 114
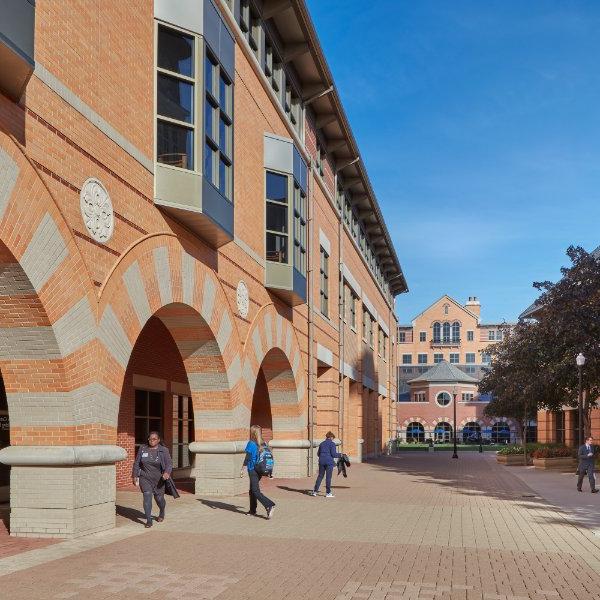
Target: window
column 420, row 397
column 499, row 335
column 446, row 333
column 347, row 212
column 422, row 359
column 468, row 397
column 148, row 415
column 437, row 333
column 384, row 344
column 485, row 358
column 491, row 335
column 471, row 370
column 367, row 327
column 272, row 67
column 218, row 127
column 437, row 358
column 175, row 87
column 407, row 370
column 455, row 332
column 401, row 337
column 422, row 336
column 324, row 282
column 352, row 307
column 183, row 430
column 445, row 309
column 442, row 432
column 500, row 433
column 299, row 229
column 379, row 341
column 470, row 336
column 470, row 357
column 277, row 218
column 471, row 432
column 251, row 26
column 454, row 358
column 319, row 159
column 415, row 432
column 407, row 359
column 443, row 399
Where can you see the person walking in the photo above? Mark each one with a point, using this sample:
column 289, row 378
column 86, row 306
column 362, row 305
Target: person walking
column 255, row 443
column 586, row 464
column 326, row 453
column 151, row 468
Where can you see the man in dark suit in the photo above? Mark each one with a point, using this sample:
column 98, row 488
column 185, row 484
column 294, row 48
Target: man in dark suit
column 586, row 464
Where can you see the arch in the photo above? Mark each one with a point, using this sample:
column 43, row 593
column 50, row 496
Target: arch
column 415, row 432
column 416, row 419
column 446, row 332
column 163, row 277
column 272, row 346
column 437, row 332
column 442, row 431
column 471, row 431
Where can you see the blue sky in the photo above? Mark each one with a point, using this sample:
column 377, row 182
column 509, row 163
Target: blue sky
column 479, row 124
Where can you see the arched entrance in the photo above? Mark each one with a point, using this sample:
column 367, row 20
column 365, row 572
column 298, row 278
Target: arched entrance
column 443, row 432
column 471, row 432
column 500, row 433
column 415, row 432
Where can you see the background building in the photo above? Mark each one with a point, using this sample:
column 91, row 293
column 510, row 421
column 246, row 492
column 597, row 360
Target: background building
column 182, row 204
column 446, row 338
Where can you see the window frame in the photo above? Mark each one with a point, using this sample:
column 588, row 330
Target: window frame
column 407, row 359
column 287, row 206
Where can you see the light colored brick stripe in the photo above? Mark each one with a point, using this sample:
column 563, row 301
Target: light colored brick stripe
column 278, row 329
column 301, row 389
column 208, row 299
column 14, row 281
column 248, row 375
column 113, row 336
column 238, row 417
column 95, row 403
column 195, row 348
column 208, row 382
column 45, row 253
column 188, row 321
column 137, row 293
column 279, row 397
column 288, row 339
column 268, row 331
column 188, row 278
column 163, row 274
column 296, row 362
column 76, row 327
column 234, row 371
column 9, row 172
column 258, row 350
column 290, row 423
column 33, row 343
column 224, row 332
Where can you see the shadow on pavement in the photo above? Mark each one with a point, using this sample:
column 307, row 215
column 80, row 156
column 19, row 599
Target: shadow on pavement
column 290, row 489
column 137, row 516
column 216, row 505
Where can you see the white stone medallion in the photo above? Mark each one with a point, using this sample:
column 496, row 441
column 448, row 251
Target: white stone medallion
column 97, row 210
column 243, row 299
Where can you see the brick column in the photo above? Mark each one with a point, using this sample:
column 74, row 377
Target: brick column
column 217, row 467
column 61, row 491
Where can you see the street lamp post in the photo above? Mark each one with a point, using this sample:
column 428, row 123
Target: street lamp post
column 580, row 360
column 454, row 390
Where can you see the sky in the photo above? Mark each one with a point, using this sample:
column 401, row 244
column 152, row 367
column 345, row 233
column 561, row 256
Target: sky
column 479, row 125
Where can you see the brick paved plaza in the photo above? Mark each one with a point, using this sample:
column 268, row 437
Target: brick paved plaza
column 416, row 526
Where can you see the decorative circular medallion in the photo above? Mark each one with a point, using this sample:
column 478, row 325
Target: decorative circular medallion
column 243, row 299
column 97, row 210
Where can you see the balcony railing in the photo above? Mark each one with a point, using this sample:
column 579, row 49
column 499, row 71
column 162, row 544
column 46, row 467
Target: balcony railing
column 445, row 343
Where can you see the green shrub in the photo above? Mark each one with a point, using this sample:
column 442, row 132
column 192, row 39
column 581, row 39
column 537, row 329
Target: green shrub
column 511, row 449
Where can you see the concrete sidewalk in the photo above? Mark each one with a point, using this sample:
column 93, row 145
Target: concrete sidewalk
column 410, row 527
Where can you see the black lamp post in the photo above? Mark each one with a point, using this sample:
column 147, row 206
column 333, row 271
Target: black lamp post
column 580, row 360
column 454, row 455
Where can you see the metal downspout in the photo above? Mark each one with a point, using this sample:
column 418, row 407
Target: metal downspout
column 341, row 315
column 310, row 269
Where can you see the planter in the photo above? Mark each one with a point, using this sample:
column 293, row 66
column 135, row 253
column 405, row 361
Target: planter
column 562, row 463
column 512, row 460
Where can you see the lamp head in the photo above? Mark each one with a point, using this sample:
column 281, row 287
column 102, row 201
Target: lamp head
column 580, row 360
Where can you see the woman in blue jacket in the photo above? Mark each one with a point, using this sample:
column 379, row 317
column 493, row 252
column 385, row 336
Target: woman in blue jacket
column 326, row 453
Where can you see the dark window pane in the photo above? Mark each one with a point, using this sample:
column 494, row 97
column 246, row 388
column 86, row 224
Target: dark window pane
column 155, row 404
column 209, row 121
column 156, row 425
column 277, row 248
column 224, row 178
column 277, row 187
column 209, row 73
column 209, row 155
column 174, row 145
column 175, row 98
column 180, row 456
column 224, row 94
column 224, row 137
column 180, row 407
column 175, row 51
column 190, row 410
column 141, row 404
column 141, row 431
column 277, row 217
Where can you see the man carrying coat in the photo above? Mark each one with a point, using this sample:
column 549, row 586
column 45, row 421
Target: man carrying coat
column 326, row 453
column 586, row 464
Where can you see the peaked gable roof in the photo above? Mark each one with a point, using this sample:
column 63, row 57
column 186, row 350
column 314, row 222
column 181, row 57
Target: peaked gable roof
column 444, row 372
column 446, row 297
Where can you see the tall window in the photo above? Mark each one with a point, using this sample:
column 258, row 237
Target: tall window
column 485, row 358
column 384, row 344
column 401, row 337
column 183, row 430
column 446, row 333
column 470, row 336
column 352, row 308
column 277, row 218
column 347, row 212
column 437, row 333
column 148, row 415
column 320, row 159
column 437, row 358
column 175, row 84
column 422, row 336
column 456, row 332
column 251, row 26
column 491, row 335
column 299, row 229
column 454, row 358
column 324, row 282
column 499, row 335
column 218, row 126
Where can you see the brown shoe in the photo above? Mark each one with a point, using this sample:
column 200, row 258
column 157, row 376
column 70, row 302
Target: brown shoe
column 160, row 519
column 148, row 524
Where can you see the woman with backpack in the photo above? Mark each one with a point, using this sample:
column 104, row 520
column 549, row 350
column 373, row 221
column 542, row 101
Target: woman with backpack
column 255, row 445
column 152, row 467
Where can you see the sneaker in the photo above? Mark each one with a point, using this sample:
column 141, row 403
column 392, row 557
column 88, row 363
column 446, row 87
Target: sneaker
column 148, row 524
column 270, row 511
column 313, row 493
column 595, row 491
column 330, row 495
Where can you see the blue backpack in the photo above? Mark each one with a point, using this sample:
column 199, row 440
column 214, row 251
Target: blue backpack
column 265, row 463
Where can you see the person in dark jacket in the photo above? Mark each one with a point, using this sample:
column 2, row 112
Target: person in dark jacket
column 152, row 467
column 327, row 453
column 255, row 443
column 586, row 464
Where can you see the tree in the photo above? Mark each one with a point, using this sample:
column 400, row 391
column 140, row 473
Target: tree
column 536, row 362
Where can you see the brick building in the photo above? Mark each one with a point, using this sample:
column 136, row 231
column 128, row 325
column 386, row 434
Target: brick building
column 189, row 242
column 443, row 353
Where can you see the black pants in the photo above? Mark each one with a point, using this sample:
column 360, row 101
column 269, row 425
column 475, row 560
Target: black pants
column 256, row 495
column 326, row 470
column 590, row 474
column 157, row 490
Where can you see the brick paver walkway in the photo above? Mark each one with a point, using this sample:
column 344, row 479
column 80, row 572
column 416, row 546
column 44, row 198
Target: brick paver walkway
column 412, row 527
